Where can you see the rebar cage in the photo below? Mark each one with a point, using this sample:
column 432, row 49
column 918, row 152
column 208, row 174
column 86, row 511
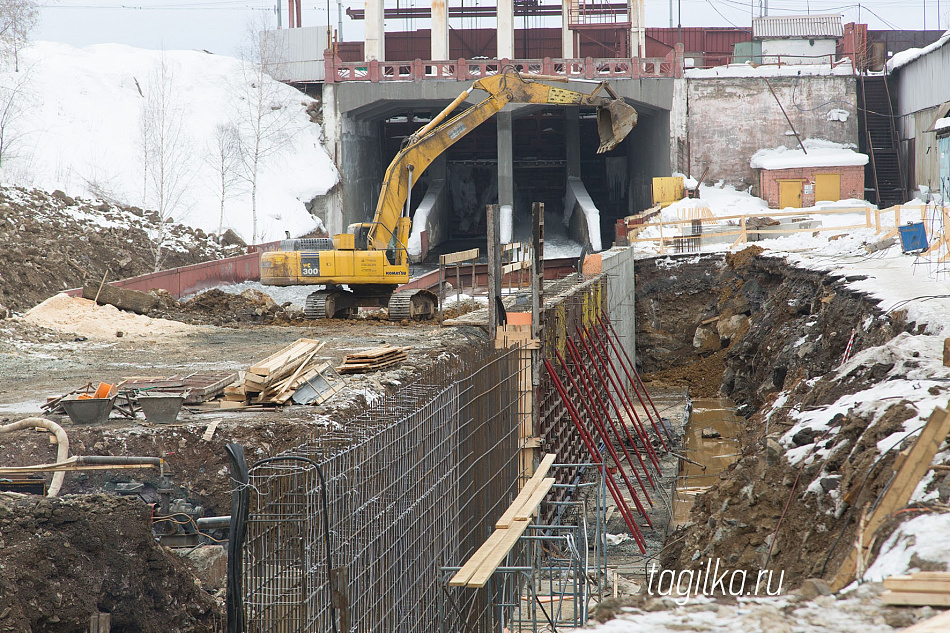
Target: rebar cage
column 411, row 485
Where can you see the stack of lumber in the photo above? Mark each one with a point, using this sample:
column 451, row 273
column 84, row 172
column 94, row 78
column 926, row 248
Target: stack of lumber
column 919, row 589
column 373, row 359
column 508, row 529
column 274, row 380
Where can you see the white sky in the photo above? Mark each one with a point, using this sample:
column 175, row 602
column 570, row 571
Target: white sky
column 219, row 25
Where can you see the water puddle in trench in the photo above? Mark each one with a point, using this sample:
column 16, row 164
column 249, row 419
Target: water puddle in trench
column 707, row 417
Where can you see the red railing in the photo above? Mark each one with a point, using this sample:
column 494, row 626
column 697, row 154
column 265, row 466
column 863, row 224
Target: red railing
column 472, row 69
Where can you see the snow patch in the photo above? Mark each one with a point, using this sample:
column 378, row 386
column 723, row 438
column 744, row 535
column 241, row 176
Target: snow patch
column 818, row 153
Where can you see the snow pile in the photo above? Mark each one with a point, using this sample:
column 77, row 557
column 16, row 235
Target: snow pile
column 74, row 315
column 942, row 124
column 820, row 153
column 921, row 536
column 769, row 70
column 905, row 57
column 79, row 129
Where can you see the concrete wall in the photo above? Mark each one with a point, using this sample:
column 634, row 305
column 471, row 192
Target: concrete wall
column 851, row 183
column 648, row 156
column 618, row 264
column 789, row 51
column 729, row 119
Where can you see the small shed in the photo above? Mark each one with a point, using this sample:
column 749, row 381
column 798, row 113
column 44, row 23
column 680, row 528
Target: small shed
column 805, row 39
column 824, row 172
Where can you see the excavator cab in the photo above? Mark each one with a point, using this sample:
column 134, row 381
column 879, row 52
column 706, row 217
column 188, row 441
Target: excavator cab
column 360, row 233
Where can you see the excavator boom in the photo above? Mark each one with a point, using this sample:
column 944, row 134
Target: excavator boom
column 615, row 119
column 372, row 258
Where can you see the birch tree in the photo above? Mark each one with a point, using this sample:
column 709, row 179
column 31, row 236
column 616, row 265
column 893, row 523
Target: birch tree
column 166, row 164
column 17, row 19
column 225, row 156
column 265, row 120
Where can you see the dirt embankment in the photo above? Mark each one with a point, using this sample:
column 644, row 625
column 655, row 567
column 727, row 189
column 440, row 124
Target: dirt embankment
column 786, row 331
column 65, row 559
column 53, row 242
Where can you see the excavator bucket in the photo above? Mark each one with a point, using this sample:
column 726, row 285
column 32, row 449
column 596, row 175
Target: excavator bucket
column 614, row 122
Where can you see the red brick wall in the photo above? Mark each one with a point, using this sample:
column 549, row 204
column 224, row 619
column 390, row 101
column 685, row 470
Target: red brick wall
column 852, row 182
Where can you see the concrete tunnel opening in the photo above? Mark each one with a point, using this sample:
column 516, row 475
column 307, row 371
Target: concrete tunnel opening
column 465, row 178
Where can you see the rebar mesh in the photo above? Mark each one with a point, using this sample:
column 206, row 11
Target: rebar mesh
column 412, row 485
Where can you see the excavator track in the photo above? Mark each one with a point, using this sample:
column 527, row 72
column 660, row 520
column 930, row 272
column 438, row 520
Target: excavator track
column 411, row 305
column 328, row 304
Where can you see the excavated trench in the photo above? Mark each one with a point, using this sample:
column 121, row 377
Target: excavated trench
column 753, row 329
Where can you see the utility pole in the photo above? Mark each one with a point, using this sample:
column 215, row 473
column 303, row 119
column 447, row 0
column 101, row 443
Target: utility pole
column 339, row 17
column 278, row 14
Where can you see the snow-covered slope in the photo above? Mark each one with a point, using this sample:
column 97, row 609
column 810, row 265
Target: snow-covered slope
column 79, row 129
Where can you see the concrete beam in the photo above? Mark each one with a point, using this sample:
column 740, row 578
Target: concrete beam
column 374, row 41
column 355, row 98
column 506, row 29
column 440, row 31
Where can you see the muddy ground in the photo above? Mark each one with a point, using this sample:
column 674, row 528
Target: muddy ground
column 749, row 327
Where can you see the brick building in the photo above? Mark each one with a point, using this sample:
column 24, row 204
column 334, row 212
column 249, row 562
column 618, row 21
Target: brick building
column 823, row 172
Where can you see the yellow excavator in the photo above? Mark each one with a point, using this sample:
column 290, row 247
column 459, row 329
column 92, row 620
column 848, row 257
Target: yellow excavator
column 371, row 258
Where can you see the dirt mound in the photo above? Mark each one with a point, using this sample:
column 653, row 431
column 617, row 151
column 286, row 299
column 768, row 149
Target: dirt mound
column 83, row 317
column 64, row 559
column 53, row 242
column 216, row 307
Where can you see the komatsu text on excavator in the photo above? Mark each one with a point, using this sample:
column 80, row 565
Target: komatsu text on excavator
column 371, row 258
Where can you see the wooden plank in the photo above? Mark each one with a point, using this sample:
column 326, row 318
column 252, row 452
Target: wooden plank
column 459, row 256
column 276, row 361
column 510, row 268
column 509, row 537
column 462, row 576
column 909, row 583
column 531, row 505
column 931, row 575
column 509, row 516
column 916, row 598
column 937, row 624
column 899, row 491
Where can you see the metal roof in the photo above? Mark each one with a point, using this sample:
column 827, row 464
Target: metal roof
column 805, row 26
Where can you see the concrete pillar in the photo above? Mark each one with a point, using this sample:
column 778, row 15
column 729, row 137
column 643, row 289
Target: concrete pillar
column 440, row 31
column 638, row 34
column 506, row 175
column 572, row 136
column 374, row 40
column 506, row 29
column 567, row 35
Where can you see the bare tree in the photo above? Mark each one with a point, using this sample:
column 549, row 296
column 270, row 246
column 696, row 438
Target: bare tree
column 17, row 19
column 225, row 157
column 165, row 155
column 265, row 121
column 14, row 101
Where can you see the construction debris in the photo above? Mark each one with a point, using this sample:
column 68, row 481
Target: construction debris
column 922, row 588
column 373, row 359
column 276, row 379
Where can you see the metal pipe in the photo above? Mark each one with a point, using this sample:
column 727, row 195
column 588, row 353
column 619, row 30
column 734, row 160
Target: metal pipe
column 62, row 445
column 214, row 523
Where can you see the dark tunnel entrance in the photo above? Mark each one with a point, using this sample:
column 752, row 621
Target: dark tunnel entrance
column 618, row 182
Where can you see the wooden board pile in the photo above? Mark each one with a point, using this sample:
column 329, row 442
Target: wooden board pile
column 508, row 529
column 919, row 589
column 373, row 359
column 274, row 380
